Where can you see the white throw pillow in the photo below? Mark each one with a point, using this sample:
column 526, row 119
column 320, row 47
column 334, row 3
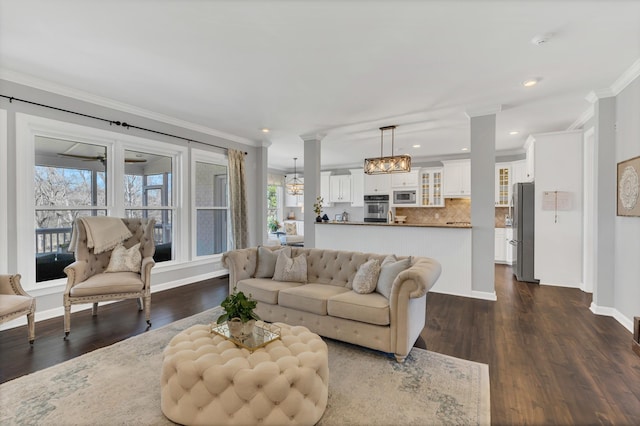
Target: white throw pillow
column 389, row 270
column 291, row 270
column 125, row 260
column 267, row 261
column 366, row 278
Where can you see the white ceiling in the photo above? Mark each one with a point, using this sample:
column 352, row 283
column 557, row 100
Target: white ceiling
column 336, row 68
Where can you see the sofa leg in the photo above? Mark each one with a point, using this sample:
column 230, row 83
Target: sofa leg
column 400, row 358
column 94, row 309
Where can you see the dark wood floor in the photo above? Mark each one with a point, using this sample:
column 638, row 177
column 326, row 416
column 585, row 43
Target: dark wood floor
column 551, row 361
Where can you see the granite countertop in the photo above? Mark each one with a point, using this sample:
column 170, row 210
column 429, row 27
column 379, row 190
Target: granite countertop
column 417, row 225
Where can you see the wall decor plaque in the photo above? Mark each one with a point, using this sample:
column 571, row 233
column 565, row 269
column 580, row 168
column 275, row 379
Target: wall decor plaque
column 628, row 187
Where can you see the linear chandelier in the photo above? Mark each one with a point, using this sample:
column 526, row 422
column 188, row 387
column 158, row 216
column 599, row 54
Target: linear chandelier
column 392, row 164
column 295, row 185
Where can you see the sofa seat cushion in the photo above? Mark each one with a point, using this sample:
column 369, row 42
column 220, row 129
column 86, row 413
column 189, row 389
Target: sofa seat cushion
column 108, row 283
column 372, row 308
column 309, row 297
column 264, row 289
column 11, row 303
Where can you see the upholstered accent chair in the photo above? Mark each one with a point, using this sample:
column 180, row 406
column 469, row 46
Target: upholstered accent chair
column 89, row 282
column 15, row 302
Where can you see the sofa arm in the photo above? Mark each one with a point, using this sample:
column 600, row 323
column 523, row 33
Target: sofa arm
column 145, row 270
column 424, row 273
column 241, row 264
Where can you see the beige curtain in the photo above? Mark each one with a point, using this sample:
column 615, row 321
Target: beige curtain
column 238, row 199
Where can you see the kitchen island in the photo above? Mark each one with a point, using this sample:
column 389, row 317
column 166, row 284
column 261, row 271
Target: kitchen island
column 449, row 244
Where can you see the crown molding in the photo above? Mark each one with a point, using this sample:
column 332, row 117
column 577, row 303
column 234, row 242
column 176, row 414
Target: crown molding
column 626, row 78
column 582, row 119
column 80, row 95
column 595, row 95
column 313, row 137
column 483, row 110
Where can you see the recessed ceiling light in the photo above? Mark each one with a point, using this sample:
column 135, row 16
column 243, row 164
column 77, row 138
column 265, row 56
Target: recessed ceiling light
column 265, row 130
column 465, row 149
column 416, row 146
column 514, row 132
column 531, row 82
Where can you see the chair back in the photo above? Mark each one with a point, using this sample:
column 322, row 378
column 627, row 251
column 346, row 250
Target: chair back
column 142, row 230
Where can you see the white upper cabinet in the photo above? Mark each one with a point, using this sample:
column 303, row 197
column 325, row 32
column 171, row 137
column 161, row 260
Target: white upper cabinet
column 503, row 184
column 405, row 180
column 340, row 191
column 357, row 187
column 377, row 184
column 518, row 172
column 325, row 189
column 457, row 178
column 530, row 170
column 430, row 190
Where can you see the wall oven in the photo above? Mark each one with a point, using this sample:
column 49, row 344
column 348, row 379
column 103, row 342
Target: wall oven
column 404, row 197
column 376, row 208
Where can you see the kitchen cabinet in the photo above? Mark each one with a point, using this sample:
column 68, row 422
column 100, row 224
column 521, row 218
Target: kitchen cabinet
column 518, row 172
column 405, row 180
column 325, row 189
column 357, row 187
column 340, row 189
column 530, row 161
column 430, row 188
column 508, row 236
column 377, row 184
column 503, row 185
column 503, row 248
column 457, row 178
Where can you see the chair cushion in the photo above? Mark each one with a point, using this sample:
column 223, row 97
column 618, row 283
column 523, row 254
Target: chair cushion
column 309, row 297
column 125, row 259
column 264, row 289
column 10, row 303
column 267, row 261
column 371, row 308
column 108, row 283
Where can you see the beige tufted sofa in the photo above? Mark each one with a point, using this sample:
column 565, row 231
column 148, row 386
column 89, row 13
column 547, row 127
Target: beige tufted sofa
column 326, row 305
column 87, row 281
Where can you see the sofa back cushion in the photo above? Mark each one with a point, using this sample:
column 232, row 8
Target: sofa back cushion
column 334, row 267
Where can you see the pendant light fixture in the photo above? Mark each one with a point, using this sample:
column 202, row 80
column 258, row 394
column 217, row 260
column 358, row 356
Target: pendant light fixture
column 295, row 185
column 392, row 164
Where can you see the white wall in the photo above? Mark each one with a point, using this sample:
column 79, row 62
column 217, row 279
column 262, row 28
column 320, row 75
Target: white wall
column 558, row 235
column 627, row 229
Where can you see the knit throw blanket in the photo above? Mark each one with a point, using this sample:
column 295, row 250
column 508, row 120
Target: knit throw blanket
column 103, row 233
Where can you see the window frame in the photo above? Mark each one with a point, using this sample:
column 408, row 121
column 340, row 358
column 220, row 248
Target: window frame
column 28, row 127
column 215, row 158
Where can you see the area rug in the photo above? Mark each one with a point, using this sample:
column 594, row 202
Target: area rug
column 120, row 385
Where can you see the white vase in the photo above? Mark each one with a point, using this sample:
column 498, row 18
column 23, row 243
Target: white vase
column 247, row 328
column 239, row 329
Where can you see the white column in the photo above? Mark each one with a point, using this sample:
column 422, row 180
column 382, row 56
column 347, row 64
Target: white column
column 312, row 145
column 263, row 182
column 483, row 153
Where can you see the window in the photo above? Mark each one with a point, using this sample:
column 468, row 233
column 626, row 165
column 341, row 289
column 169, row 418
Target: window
column 211, row 206
column 275, row 198
column 69, row 182
column 147, row 194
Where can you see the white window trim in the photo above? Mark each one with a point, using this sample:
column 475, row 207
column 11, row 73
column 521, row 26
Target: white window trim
column 29, row 126
column 198, row 155
column 4, row 182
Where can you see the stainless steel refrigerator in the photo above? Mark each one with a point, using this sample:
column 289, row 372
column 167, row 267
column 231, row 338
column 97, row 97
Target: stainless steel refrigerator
column 523, row 231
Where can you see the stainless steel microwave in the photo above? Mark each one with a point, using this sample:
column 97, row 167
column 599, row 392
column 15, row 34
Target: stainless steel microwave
column 404, row 197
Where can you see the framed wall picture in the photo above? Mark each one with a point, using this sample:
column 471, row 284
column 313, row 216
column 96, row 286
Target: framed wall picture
column 629, row 187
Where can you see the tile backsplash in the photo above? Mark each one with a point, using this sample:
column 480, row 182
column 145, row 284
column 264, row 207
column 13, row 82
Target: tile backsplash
column 454, row 210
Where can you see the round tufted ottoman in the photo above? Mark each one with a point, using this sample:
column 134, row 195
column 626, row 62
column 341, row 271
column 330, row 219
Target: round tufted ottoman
column 207, row 379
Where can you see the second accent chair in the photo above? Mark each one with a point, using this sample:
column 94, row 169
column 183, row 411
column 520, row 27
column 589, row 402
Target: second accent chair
column 15, row 302
column 90, row 278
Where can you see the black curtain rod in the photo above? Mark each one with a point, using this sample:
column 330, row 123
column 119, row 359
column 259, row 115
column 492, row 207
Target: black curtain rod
column 111, row 122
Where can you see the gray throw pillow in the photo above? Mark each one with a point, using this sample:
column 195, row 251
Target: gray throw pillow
column 267, row 261
column 291, row 270
column 366, row 278
column 389, row 270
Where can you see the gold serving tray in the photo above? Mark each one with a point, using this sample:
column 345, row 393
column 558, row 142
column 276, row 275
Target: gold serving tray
column 262, row 335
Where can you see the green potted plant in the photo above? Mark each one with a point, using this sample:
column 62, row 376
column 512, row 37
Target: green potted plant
column 239, row 313
column 317, row 208
column 273, row 224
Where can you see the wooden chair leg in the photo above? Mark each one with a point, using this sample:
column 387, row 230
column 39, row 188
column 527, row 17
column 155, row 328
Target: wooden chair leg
column 147, row 309
column 67, row 319
column 32, row 327
column 94, row 309
column 140, row 304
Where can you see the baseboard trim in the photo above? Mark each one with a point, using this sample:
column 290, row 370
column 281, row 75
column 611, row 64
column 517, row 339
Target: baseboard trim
column 612, row 312
column 473, row 295
column 59, row 311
